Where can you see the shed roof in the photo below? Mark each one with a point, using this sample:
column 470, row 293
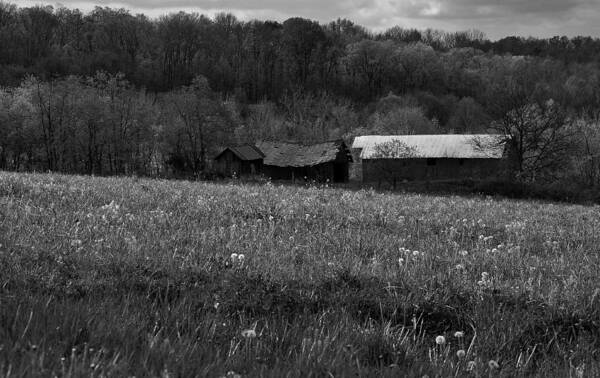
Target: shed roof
column 285, row 154
column 475, row 146
column 244, row 152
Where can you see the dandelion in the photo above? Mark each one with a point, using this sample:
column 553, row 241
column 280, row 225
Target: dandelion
column 248, row 333
column 471, row 365
column 234, row 257
column 493, row 365
column 463, row 253
column 440, row 340
column 400, row 261
column 460, row 267
column 461, row 353
column 241, row 257
column 416, row 253
column 459, row 334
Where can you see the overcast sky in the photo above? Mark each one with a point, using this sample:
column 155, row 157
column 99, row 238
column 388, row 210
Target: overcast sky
column 496, row 18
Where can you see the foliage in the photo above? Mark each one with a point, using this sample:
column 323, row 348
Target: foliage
column 295, row 80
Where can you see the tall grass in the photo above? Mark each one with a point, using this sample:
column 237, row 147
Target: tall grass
column 123, row 277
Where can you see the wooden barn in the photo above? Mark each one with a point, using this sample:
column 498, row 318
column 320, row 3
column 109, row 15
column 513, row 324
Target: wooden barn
column 396, row 158
column 239, row 161
column 294, row 161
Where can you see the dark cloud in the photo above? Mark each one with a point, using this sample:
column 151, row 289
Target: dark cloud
column 497, row 18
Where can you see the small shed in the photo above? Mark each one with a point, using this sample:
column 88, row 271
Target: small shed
column 428, row 157
column 241, row 160
column 296, row 161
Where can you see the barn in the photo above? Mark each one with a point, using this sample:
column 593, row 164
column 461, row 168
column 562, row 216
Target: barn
column 394, row 158
column 241, row 160
column 295, row 161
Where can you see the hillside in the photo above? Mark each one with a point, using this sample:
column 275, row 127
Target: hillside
column 122, row 276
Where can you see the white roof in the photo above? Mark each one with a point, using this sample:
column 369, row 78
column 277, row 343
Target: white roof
column 457, row 146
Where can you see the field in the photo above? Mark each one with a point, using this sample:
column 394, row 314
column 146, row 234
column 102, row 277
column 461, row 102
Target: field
column 126, row 276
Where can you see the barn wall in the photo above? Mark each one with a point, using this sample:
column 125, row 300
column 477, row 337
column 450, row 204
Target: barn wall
column 355, row 167
column 320, row 172
column 379, row 170
column 228, row 163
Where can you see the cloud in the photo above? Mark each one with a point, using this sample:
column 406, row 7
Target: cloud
column 497, row 18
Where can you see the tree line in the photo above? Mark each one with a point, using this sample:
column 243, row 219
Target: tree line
column 108, row 92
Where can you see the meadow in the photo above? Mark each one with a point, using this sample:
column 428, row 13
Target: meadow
column 138, row 277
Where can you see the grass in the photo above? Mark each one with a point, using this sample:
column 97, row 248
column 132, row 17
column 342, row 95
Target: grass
column 124, row 277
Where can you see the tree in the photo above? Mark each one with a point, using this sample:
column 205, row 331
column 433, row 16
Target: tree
column 200, row 125
column 386, row 154
column 520, row 100
column 302, row 41
column 468, row 117
column 587, row 161
column 397, row 115
column 539, row 137
column 375, row 65
column 17, row 133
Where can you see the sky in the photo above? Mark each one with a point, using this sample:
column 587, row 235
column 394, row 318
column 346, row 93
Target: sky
column 496, row 18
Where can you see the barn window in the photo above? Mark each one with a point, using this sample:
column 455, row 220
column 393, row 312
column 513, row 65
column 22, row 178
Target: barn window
column 431, row 161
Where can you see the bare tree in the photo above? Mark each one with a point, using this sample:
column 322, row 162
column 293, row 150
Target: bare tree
column 539, row 138
column 387, row 154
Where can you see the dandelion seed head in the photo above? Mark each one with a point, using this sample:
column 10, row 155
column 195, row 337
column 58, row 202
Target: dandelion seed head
column 461, row 353
column 459, row 334
column 440, row 340
column 493, row 364
column 471, row 365
column 248, row 333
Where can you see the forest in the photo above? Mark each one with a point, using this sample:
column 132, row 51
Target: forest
column 108, row 92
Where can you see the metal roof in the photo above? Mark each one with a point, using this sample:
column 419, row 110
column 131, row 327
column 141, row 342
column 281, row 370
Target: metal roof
column 244, row 152
column 477, row 146
column 284, row 154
